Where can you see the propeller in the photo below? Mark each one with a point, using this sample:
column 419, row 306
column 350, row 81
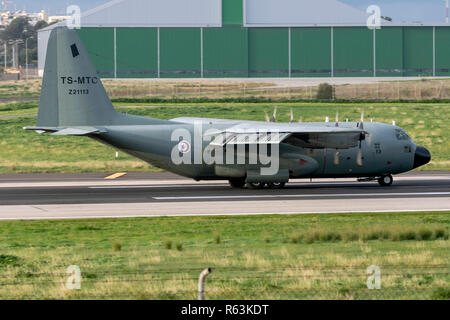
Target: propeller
column 292, row 116
column 336, row 158
column 361, row 124
column 359, row 159
column 359, row 156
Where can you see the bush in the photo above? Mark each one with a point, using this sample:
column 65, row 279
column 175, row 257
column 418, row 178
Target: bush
column 168, row 244
column 424, row 234
column 325, row 92
column 117, row 246
column 407, row 235
column 179, row 246
column 8, row 260
column 217, row 238
column 441, row 294
column 439, row 233
column 296, row 238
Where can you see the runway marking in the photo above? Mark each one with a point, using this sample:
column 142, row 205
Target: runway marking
column 159, row 186
column 305, row 196
column 213, row 214
column 115, row 176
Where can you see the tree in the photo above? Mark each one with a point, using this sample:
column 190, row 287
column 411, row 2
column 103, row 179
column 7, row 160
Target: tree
column 40, row 25
column 19, row 29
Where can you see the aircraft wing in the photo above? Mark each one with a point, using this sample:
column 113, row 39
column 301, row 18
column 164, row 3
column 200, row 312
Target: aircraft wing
column 301, row 135
column 75, row 131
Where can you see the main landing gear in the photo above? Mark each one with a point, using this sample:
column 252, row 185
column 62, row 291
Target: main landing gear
column 240, row 183
column 385, row 180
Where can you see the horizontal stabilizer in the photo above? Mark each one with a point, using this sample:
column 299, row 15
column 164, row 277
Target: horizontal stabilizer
column 85, row 131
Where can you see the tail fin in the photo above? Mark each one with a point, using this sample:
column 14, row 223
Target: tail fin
column 72, row 92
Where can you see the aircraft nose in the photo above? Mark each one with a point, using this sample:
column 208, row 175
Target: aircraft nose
column 421, row 157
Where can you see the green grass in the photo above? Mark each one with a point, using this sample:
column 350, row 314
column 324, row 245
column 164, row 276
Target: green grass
column 161, row 258
column 21, row 151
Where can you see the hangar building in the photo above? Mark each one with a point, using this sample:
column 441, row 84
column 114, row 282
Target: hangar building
column 254, row 38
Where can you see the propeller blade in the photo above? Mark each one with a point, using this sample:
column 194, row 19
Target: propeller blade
column 359, row 160
column 336, row 158
column 274, row 117
column 267, row 116
column 361, row 126
column 292, row 116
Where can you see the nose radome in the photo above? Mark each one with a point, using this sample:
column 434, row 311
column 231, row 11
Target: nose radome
column 421, row 157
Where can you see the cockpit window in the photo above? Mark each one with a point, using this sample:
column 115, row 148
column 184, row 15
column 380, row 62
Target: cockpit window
column 401, row 135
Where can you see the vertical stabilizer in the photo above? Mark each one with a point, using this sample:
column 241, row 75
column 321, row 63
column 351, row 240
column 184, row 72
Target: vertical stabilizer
column 72, row 92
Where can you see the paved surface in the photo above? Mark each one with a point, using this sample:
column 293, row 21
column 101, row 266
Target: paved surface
column 164, row 194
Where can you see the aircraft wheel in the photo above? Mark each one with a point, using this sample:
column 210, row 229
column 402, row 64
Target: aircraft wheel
column 237, row 183
column 386, row 180
column 277, row 185
column 255, row 185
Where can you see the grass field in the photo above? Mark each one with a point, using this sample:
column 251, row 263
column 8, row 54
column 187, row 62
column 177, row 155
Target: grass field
column 258, row 257
column 22, row 151
column 278, row 90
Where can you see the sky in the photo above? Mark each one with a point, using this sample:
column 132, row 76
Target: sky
column 399, row 10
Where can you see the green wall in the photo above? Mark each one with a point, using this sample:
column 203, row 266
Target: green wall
column 137, row 53
column 225, row 52
column 389, row 44
column 268, row 52
column 311, row 52
column 353, row 52
column 99, row 43
column 442, row 51
column 180, row 52
column 418, row 51
column 235, row 51
column 232, row 12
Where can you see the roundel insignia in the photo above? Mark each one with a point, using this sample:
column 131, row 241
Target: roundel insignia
column 184, row 146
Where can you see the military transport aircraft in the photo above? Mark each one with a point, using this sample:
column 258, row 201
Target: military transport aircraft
column 74, row 103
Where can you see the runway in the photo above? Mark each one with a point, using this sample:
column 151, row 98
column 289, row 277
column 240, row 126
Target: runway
column 161, row 194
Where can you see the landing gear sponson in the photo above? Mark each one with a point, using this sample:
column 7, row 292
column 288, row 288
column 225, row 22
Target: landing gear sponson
column 240, row 183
